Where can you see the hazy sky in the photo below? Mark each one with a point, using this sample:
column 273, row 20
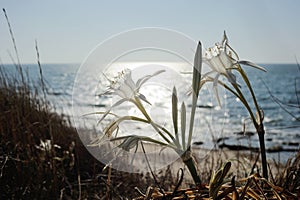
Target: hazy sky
column 67, row 30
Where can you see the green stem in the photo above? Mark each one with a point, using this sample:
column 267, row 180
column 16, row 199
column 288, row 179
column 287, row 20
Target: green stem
column 261, row 136
column 191, row 165
column 140, row 106
column 258, row 123
column 186, row 156
column 244, row 101
column 242, row 72
column 175, row 140
column 194, row 105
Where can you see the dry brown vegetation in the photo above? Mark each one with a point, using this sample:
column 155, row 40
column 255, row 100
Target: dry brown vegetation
column 41, row 156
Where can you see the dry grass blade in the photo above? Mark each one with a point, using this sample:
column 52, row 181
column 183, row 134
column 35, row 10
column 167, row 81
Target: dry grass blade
column 153, row 175
column 40, row 69
column 258, row 187
column 15, row 46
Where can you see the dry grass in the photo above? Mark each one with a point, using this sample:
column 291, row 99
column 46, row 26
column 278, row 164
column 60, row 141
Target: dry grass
column 41, row 155
column 283, row 185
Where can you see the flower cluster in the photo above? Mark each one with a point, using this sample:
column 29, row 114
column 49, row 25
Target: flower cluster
column 222, row 60
column 123, row 86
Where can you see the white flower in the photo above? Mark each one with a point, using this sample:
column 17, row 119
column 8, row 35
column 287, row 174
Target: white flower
column 123, row 86
column 220, row 59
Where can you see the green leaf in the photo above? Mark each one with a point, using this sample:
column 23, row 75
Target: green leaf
column 175, row 111
column 197, row 70
column 183, row 124
column 131, row 141
column 114, row 124
column 196, row 88
column 217, row 180
column 226, row 169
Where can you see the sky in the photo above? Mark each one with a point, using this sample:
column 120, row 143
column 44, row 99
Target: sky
column 263, row 31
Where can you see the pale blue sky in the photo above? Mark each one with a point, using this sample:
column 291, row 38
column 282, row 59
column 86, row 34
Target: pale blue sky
column 67, row 30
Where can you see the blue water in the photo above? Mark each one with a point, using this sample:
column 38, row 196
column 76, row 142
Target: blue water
column 213, row 122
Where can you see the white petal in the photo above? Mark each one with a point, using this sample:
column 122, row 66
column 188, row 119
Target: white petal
column 217, row 65
column 120, row 94
column 225, row 39
column 226, row 60
column 130, row 82
column 243, row 62
column 114, row 105
column 141, row 81
column 231, row 77
column 126, row 91
column 215, row 87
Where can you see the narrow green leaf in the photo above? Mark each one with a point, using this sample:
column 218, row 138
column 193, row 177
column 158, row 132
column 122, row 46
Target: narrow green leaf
column 196, row 88
column 246, row 80
column 114, row 124
column 226, row 169
column 129, row 143
column 183, row 124
column 197, row 70
column 175, row 111
column 140, row 106
column 99, row 113
column 131, row 138
column 217, row 180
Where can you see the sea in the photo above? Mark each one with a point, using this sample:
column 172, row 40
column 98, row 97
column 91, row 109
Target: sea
column 79, row 93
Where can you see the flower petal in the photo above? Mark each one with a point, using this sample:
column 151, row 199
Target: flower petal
column 217, row 65
column 125, row 91
column 226, row 59
column 225, row 39
column 251, row 64
column 128, row 81
column 215, row 87
column 231, row 77
column 114, row 105
column 141, row 81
